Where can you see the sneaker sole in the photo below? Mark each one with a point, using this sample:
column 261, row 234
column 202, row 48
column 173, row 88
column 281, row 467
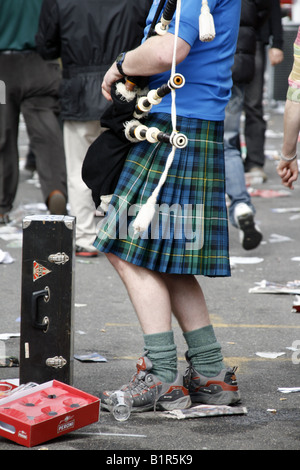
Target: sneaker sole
column 85, row 254
column 219, row 398
column 134, row 409
column 180, row 404
column 251, row 236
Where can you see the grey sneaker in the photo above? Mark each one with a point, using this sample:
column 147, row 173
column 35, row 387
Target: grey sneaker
column 149, row 393
column 258, row 172
column 219, row 390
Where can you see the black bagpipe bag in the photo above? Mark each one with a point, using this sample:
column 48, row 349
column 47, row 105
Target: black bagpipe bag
column 105, row 157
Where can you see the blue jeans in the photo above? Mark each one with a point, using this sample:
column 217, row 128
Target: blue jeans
column 234, row 167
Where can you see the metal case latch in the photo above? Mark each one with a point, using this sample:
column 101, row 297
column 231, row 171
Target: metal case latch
column 56, row 362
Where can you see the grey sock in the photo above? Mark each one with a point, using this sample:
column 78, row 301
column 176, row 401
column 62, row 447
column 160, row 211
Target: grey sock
column 162, row 352
column 204, row 351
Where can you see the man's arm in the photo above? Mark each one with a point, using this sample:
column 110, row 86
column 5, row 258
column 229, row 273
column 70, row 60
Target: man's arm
column 153, row 56
column 48, row 38
column 288, row 171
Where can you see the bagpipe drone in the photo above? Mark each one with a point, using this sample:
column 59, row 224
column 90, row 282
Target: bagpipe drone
column 131, row 102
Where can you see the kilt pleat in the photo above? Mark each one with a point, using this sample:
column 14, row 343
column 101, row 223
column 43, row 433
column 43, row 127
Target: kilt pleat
column 189, row 231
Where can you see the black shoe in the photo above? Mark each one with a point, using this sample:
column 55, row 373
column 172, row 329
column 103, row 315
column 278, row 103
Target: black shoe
column 4, row 219
column 30, row 162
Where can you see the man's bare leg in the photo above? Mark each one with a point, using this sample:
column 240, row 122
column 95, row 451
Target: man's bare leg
column 154, row 296
column 148, row 294
column 187, row 301
column 189, row 307
column 151, row 300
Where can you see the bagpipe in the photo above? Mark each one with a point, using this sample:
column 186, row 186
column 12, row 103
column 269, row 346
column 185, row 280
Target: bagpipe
column 123, row 120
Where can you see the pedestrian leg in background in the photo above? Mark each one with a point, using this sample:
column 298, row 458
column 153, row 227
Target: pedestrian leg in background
column 9, row 155
column 40, row 108
column 78, row 136
column 255, row 125
column 241, row 209
column 47, row 145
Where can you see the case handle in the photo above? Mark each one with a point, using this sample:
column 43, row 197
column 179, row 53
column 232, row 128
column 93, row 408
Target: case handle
column 34, row 309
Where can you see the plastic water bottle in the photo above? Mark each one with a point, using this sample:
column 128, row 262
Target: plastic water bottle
column 121, row 405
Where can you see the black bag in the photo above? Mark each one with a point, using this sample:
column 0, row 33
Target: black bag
column 105, row 158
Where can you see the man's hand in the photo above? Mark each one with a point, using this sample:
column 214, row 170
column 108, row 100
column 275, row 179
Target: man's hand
column 152, row 57
column 288, row 172
column 111, row 76
column 276, row 56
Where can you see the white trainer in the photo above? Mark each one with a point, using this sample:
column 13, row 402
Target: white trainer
column 250, row 234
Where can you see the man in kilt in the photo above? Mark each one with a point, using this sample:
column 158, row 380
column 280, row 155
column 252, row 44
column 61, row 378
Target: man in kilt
column 188, row 235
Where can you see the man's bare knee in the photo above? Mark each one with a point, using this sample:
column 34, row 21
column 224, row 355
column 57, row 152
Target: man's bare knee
column 118, row 263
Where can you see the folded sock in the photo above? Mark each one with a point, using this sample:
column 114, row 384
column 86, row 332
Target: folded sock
column 204, row 351
column 161, row 350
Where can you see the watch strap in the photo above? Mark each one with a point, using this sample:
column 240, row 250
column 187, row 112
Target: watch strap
column 119, row 63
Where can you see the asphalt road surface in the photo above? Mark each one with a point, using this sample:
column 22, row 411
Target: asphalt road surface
column 249, row 326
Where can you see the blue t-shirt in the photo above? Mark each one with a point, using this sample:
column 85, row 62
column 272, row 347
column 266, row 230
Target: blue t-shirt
column 207, row 68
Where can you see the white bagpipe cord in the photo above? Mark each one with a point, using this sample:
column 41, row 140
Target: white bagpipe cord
column 147, row 211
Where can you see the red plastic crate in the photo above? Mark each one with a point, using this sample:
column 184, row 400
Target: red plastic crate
column 44, row 412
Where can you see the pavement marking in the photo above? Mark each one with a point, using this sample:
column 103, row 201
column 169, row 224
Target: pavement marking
column 218, row 325
column 247, row 325
column 108, row 434
column 232, row 359
column 240, row 362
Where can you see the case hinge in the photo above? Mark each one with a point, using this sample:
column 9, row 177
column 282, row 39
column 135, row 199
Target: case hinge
column 56, row 362
column 58, row 258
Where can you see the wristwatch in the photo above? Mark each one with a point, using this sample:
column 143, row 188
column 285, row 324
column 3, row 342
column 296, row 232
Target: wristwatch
column 119, row 63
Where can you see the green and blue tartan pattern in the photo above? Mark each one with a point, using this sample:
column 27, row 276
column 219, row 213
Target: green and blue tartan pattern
column 189, row 232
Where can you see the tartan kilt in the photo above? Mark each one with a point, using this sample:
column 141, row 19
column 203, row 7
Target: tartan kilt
column 189, row 231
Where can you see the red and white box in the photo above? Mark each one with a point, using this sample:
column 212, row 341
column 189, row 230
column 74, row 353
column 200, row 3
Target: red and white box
column 44, row 412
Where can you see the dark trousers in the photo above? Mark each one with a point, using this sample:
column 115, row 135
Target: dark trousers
column 31, row 88
column 255, row 125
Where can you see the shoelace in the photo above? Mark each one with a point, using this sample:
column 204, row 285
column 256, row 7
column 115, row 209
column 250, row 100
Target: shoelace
column 138, row 384
column 188, row 373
